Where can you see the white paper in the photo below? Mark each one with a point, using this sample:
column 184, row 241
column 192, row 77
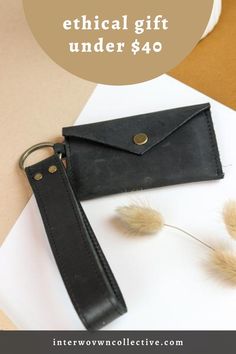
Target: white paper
column 163, row 277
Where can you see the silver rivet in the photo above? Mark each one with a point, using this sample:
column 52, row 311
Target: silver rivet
column 52, row 169
column 38, row 176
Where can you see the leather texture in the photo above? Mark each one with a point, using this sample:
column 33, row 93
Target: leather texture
column 102, row 158
column 86, row 274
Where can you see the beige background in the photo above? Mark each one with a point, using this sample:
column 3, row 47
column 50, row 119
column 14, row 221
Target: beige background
column 37, row 97
column 6, row 323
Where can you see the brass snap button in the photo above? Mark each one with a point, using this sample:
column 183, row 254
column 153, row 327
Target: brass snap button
column 52, row 169
column 38, row 176
column 140, row 139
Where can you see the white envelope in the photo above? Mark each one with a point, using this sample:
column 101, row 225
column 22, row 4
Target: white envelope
column 163, row 277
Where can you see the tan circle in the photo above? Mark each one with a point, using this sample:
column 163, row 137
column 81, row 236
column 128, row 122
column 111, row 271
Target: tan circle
column 172, row 29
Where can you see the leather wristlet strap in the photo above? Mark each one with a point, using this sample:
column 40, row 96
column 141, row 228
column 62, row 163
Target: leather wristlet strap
column 87, row 276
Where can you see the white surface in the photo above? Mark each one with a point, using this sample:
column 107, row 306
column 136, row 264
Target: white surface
column 216, row 12
column 162, row 277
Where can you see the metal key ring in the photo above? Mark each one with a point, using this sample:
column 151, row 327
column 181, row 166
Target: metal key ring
column 29, row 151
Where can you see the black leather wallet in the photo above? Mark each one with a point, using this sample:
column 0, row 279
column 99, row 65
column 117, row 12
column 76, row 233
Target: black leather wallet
column 145, row 151
column 133, row 153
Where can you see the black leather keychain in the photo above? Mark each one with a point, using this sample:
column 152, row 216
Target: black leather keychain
column 134, row 153
column 84, row 269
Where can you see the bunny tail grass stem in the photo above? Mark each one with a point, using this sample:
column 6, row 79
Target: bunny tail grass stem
column 190, row 235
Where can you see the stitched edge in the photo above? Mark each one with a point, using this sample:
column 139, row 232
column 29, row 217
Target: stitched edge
column 71, row 292
column 69, row 161
column 213, row 140
column 84, row 240
column 62, row 269
column 101, row 257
